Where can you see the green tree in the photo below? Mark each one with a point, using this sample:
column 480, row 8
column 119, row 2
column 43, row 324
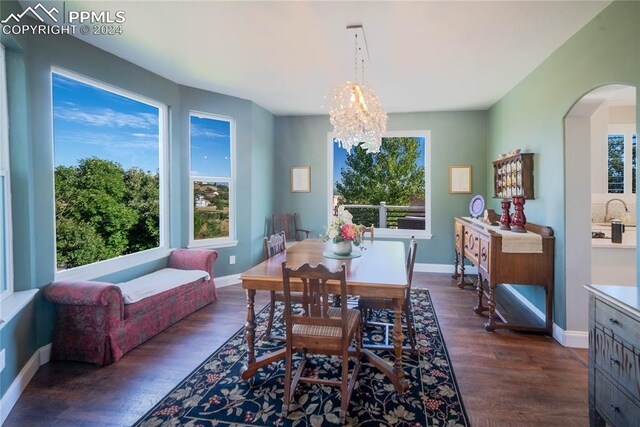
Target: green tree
column 103, row 212
column 390, row 176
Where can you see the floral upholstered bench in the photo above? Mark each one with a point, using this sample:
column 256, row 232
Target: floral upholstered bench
column 98, row 322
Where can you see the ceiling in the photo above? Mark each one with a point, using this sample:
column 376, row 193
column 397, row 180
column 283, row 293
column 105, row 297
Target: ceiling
column 614, row 95
column 287, row 56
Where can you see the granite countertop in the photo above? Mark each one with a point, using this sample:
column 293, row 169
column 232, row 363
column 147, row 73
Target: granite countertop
column 628, row 238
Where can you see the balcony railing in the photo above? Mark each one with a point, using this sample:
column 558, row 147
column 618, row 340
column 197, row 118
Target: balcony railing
column 385, row 216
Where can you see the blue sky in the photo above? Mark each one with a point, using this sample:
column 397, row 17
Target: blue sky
column 210, row 147
column 92, row 122
column 340, row 159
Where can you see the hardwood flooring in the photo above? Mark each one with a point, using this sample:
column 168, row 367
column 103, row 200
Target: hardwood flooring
column 505, row 378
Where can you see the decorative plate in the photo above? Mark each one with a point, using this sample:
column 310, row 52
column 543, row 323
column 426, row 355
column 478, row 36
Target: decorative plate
column 476, row 207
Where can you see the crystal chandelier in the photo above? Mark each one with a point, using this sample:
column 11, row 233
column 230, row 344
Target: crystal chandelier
column 356, row 114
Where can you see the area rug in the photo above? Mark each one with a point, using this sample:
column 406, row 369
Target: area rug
column 214, row 395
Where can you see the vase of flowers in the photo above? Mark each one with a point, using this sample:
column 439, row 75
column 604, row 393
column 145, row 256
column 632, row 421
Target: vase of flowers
column 343, row 233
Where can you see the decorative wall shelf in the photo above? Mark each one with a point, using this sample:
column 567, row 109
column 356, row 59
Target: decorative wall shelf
column 513, row 176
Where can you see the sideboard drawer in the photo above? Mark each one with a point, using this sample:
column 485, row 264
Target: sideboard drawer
column 613, row 405
column 617, row 359
column 483, row 257
column 621, row 325
column 471, row 245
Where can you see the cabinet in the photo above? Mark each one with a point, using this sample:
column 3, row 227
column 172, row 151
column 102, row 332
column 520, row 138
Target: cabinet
column 614, row 356
column 513, row 176
column 482, row 245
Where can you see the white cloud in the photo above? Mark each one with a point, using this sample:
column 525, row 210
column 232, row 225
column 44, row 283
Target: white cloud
column 199, row 131
column 107, row 118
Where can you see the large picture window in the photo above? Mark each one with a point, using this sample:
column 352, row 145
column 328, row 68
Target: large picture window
column 108, row 158
column 389, row 189
column 211, row 180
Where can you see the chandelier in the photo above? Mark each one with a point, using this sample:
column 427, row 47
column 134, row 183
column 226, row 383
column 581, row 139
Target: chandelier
column 356, row 114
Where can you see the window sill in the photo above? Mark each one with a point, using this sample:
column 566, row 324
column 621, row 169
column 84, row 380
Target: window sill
column 114, row 265
column 214, row 244
column 13, row 304
column 386, row 233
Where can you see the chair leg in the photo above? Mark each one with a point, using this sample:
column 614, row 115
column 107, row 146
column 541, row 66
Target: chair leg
column 272, row 309
column 287, row 383
column 410, row 331
column 344, row 386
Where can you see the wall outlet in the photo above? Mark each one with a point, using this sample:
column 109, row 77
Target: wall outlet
column 232, row 259
column 2, row 360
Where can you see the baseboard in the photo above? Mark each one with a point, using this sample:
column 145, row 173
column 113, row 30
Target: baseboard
column 223, row 281
column 442, row 268
column 39, row 358
column 574, row 339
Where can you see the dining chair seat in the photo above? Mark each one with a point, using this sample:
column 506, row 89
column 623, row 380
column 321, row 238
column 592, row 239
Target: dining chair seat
column 353, row 317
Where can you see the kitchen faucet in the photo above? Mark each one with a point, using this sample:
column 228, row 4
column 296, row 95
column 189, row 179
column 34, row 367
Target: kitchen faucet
column 606, row 209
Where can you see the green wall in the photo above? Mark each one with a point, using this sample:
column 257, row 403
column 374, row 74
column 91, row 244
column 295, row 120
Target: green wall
column 531, row 117
column 457, row 138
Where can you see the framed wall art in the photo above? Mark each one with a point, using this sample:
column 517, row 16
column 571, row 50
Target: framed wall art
column 460, row 179
column 300, row 179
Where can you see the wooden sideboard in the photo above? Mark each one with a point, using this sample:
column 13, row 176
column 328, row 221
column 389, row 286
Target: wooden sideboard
column 482, row 246
column 614, row 355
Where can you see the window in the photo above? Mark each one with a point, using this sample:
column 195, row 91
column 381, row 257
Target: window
column 389, row 189
column 6, row 259
column 621, row 167
column 212, row 175
column 109, row 151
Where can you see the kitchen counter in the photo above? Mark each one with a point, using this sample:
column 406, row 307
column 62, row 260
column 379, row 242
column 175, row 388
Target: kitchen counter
column 613, row 263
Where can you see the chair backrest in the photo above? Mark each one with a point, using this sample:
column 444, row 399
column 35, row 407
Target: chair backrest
column 365, row 230
column 315, row 295
column 275, row 244
column 285, row 222
column 411, row 259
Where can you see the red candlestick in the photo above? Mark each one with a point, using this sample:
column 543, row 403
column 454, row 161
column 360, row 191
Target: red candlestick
column 505, row 219
column 519, row 220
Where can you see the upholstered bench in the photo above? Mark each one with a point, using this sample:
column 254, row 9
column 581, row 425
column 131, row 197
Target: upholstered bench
column 98, row 322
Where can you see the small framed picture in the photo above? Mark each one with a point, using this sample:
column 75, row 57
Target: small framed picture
column 300, row 179
column 460, row 179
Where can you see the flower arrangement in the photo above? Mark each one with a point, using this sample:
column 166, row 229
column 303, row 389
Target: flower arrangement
column 343, row 229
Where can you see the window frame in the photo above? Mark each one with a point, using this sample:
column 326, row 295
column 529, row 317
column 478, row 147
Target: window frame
column 112, row 265
column 390, row 232
column 627, row 130
column 216, row 242
column 5, row 172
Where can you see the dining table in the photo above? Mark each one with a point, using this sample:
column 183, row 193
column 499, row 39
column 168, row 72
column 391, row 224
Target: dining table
column 377, row 269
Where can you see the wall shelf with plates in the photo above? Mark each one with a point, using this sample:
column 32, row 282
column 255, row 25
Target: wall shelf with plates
column 513, row 176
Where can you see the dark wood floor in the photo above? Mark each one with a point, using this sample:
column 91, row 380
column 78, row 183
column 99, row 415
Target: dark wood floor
column 506, row 378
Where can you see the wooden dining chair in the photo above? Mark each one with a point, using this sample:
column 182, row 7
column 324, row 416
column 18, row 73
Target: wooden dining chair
column 364, row 230
column 273, row 245
column 320, row 329
column 366, row 304
column 288, row 223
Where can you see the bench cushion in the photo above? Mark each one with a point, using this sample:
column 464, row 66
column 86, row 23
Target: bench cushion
column 157, row 282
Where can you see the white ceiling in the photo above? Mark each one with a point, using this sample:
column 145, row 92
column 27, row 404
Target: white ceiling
column 287, row 56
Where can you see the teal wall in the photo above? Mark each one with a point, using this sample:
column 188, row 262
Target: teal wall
column 457, row 138
column 29, row 61
column 531, row 117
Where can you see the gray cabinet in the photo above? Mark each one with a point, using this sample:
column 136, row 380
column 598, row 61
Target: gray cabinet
column 614, row 356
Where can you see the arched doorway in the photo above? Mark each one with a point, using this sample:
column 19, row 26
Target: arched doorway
column 599, row 129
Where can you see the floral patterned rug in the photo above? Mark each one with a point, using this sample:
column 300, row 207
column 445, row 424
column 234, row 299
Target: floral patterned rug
column 214, row 395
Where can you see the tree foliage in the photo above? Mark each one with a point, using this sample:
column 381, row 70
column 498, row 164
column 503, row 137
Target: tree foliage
column 103, row 211
column 392, row 175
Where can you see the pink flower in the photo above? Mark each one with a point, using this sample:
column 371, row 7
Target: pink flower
column 349, row 231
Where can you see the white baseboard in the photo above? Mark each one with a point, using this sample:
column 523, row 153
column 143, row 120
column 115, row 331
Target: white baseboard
column 223, row 281
column 442, row 268
column 39, row 358
column 574, row 339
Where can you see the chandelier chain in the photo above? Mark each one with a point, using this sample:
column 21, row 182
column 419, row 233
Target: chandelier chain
column 355, row 62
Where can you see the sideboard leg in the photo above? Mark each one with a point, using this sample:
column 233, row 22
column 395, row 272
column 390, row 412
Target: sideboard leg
column 479, row 308
column 456, row 260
